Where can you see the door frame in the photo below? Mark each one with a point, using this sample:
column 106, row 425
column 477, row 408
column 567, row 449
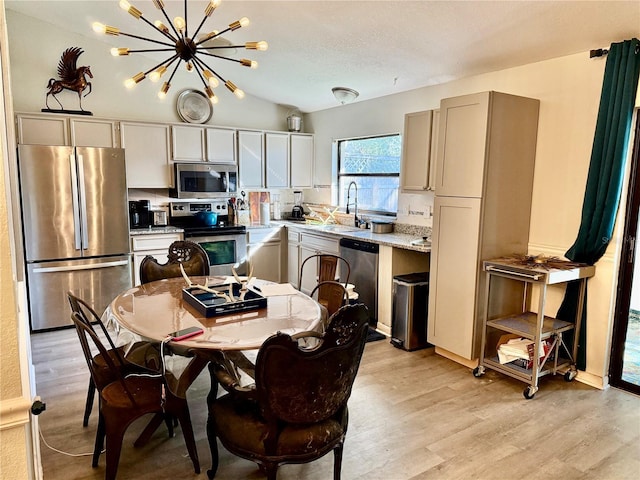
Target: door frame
column 625, row 273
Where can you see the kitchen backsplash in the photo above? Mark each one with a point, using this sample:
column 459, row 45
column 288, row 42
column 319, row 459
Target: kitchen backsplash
column 415, row 209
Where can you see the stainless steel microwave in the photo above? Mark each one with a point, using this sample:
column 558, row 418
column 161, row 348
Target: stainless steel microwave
column 205, row 180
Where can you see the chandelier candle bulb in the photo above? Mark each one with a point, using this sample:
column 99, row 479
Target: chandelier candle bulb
column 211, row 79
column 133, row 81
column 163, row 91
column 119, row 52
column 156, row 74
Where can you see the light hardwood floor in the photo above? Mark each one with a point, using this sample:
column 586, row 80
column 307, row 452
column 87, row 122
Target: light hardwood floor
column 413, row 416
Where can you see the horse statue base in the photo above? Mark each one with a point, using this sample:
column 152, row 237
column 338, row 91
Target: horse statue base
column 66, row 112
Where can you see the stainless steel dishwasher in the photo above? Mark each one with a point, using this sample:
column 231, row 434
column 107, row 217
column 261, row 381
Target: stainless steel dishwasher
column 363, row 260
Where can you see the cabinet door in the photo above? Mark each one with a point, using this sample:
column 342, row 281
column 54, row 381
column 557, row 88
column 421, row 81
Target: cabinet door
column 293, row 263
column 94, row 133
column 277, row 160
column 310, row 273
column 416, row 149
column 221, row 145
column 42, row 130
column 454, row 271
column 265, row 260
column 250, row 159
column 188, row 143
column 462, row 145
column 433, row 152
column 301, row 161
column 147, row 155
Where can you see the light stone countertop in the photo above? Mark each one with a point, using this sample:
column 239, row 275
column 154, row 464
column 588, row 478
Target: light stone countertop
column 155, row 230
column 393, row 239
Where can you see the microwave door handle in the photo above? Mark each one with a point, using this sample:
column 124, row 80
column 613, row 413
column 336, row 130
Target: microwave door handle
column 225, row 182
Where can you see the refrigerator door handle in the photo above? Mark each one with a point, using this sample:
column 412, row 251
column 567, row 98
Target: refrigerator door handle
column 83, row 204
column 74, row 198
column 69, row 268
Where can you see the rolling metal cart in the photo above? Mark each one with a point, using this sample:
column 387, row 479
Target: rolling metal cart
column 510, row 277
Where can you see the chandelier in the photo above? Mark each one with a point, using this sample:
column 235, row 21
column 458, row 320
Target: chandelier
column 184, row 47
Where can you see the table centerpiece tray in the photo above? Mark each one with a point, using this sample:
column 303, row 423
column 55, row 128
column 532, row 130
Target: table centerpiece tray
column 222, row 301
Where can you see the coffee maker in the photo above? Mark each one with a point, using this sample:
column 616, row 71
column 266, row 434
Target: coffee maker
column 139, row 214
column 297, row 211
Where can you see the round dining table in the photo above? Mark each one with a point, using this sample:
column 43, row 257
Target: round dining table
column 154, row 310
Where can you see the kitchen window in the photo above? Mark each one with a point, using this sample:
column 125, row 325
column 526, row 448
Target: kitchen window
column 374, row 164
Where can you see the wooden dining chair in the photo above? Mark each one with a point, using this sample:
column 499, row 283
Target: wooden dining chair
column 331, row 295
column 128, row 398
column 141, row 357
column 327, row 267
column 190, row 255
column 297, row 411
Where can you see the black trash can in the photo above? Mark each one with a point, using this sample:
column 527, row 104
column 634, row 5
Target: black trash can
column 410, row 300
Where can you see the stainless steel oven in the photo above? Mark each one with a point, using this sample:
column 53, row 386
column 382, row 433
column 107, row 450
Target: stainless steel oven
column 226, row 245
column 224, row 250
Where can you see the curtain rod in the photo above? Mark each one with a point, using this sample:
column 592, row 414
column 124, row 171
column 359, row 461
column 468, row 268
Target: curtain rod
column 599, row 52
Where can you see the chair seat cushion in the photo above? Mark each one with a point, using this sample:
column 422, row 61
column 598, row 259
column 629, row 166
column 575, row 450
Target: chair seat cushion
column 146, row 391
column 240, row 427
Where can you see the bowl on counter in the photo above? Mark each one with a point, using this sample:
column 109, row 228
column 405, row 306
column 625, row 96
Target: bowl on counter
column 381, row 227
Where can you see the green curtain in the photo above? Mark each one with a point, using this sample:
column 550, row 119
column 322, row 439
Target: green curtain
column 606, row 172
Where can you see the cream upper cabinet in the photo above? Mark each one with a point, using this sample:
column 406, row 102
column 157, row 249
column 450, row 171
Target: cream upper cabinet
column 50, row 129
column 188, row 143
column 462, row 146
column 301, row 159
column 416, row 151
column 147, row 148
column 277, row 160
column 94, row 133
column 250, row 159
column 221, row 145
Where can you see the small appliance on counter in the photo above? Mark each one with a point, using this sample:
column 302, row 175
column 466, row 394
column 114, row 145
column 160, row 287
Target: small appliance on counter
column 140, row 215
column 160, row 218
column 297, row 212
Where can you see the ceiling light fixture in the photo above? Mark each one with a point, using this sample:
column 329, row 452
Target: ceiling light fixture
column 184, row 47
column 344, row 95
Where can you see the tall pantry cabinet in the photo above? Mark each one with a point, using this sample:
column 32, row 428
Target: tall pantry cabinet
column 483, row 187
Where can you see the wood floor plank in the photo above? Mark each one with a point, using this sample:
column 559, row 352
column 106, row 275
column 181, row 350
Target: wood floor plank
column 413, row 416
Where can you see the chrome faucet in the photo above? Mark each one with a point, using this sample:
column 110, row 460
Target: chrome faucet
column 356, row 220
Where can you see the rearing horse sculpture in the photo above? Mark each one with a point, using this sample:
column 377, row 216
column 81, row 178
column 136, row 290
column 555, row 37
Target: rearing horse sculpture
column 71, row 77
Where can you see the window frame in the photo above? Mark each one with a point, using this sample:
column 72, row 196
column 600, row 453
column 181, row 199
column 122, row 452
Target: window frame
column 336, row 147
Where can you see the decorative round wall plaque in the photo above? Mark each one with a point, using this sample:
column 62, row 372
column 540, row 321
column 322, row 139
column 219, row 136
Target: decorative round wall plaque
column 193, row 106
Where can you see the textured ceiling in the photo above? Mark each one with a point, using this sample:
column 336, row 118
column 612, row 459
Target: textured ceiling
column 375, row 47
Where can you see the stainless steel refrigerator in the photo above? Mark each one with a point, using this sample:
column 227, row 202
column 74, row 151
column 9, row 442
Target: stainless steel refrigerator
column 76, row 228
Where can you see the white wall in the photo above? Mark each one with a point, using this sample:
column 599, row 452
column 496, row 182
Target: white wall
column 569, row 91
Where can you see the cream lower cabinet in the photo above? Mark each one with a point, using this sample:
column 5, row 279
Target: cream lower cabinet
column 301, row 245
column 265, row 257
column 293, row 256
column 454, row 274
column 314, row 245
column 156, row 245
